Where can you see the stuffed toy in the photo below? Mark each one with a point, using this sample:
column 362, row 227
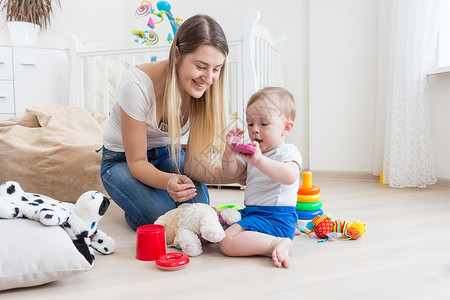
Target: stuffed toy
column 325, row 228
column 79, row 220
column 188, row 224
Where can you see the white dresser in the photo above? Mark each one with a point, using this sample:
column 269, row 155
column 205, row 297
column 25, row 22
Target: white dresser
column 32, row 76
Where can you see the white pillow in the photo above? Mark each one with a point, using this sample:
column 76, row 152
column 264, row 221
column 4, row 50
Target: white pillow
column 33, row 254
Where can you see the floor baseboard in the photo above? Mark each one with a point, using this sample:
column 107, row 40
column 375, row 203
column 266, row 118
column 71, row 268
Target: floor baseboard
column 445, row 182
column 230, row 186
column 344, row 175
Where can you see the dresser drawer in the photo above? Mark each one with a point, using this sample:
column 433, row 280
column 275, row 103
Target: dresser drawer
column 6, row 63
column 6, row 97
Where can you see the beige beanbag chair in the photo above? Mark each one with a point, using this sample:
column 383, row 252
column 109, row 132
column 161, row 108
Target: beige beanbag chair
column 50, row 150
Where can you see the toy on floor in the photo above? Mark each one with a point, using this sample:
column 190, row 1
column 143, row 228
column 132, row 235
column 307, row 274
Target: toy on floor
column 172, row 261
column 185, row 223
column 151, row 246
column 79, row 220
column 325, row 228
column 150, row 242
column 237, row 207
column 308, row 200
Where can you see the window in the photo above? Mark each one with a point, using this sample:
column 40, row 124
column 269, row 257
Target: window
column 443, row 49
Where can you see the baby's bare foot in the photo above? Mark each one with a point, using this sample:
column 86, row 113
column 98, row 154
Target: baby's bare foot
column 280, row 252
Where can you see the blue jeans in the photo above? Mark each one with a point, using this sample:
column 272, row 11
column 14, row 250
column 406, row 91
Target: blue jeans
column 142, row 204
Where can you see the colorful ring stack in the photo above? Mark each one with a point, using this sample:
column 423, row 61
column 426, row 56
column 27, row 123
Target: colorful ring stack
column 308, row 200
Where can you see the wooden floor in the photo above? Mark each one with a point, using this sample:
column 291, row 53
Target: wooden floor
column 405, row 254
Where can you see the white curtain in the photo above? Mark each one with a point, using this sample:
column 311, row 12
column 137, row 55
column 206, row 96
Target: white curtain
column 408, row 31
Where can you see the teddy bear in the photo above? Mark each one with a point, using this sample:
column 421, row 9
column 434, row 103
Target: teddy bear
column 79, row 220
column 189, row 223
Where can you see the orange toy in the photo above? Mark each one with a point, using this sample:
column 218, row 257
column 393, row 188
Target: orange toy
column 307, row 188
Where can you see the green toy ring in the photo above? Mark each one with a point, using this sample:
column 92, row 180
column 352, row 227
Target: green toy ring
column 309, row 205
column 237, row 207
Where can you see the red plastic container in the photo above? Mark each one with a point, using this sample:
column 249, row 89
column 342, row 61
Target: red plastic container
column 150, row 242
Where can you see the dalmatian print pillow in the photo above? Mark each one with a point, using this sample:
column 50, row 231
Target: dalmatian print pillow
column 79, row 220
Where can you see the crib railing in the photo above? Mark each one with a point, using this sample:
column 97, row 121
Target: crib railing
column 261, row 55
column 96, row 75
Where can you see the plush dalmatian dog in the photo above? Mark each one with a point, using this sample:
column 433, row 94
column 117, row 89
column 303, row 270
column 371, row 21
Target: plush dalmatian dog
column 80, row 220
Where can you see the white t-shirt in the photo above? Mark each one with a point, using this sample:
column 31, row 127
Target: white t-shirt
column 136, row 96
column 261, row 190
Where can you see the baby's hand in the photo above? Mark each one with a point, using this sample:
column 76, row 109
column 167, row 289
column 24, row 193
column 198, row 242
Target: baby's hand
column 253, row 158
column 232, row 137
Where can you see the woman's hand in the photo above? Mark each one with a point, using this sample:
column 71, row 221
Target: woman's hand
column 181, row 188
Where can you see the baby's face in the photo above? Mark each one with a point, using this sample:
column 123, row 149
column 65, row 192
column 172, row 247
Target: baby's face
column 266, row 124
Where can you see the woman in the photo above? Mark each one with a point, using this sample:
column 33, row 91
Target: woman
column 143, row 165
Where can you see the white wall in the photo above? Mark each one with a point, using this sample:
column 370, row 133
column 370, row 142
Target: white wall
column 97, row 20
column 343, row 75
column 343, row 72
column 439, row 98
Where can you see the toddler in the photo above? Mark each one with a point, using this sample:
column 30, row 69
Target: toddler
column 269, row 218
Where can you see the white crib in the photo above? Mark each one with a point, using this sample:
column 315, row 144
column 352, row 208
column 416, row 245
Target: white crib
column 253, row 62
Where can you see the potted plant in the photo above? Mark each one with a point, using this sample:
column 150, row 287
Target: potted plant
column 23, row 15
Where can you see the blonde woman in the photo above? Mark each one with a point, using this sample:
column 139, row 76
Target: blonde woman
column 144, row 169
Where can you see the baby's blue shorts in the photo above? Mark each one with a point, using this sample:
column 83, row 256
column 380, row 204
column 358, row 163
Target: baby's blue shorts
column 279, row 221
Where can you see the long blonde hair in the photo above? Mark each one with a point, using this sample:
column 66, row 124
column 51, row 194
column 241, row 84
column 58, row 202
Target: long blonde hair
column 207, row 114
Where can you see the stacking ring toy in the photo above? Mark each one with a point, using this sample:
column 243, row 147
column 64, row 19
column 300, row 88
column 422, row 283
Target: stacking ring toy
column 172, row 261
column 308, row 198
column 309, row 215
column 309, row 205
column 313, row 190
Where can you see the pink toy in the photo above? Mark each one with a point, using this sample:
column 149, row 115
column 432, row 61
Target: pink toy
column 244, row 149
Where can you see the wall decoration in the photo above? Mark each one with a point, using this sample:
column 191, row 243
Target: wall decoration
column 148, row 36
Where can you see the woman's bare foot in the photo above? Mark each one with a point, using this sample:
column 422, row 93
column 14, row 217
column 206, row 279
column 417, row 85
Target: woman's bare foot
column 297, row 231
column 280, row 252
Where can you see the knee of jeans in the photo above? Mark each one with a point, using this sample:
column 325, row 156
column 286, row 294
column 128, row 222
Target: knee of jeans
column 205, row 191
column 144, row 219
column 131, row 222
column 135, row 224
column 202, row 193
